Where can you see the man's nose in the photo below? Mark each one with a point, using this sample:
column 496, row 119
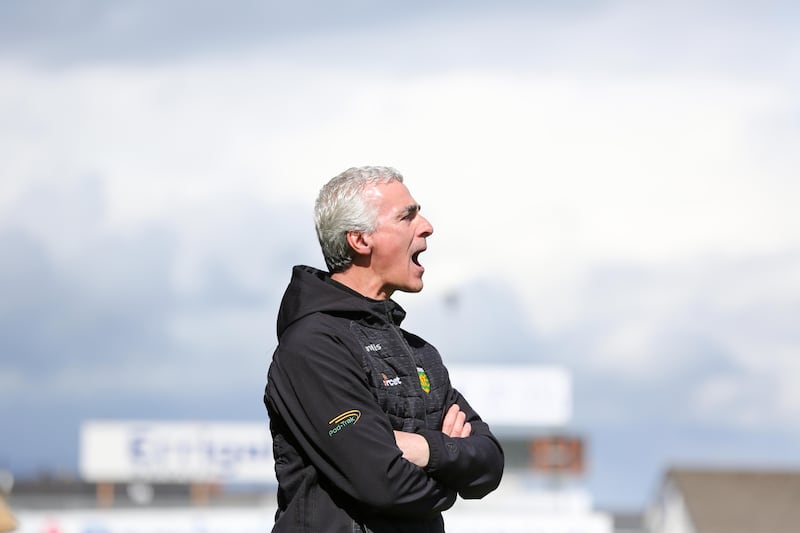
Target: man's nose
column 426, row 229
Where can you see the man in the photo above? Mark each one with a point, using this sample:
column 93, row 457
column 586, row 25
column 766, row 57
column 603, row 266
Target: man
column 368, row 433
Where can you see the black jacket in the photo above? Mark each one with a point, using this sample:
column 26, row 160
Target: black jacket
column 344, row 375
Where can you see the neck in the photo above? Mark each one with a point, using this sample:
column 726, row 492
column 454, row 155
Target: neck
column 363, row 282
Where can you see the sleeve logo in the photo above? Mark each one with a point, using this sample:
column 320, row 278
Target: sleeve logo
column 348, row 418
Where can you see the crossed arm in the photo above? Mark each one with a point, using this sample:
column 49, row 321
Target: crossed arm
column 463, row 456
column 415, row 447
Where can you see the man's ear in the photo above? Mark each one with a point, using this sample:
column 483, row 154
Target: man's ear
column 360, row 242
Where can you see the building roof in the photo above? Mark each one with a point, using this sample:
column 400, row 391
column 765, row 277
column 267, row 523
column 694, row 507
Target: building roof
column 740, row 501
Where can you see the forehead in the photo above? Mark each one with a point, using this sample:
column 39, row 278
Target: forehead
column 389, row 197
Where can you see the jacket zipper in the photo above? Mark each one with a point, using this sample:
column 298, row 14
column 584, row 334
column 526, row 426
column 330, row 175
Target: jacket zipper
column 416, row 364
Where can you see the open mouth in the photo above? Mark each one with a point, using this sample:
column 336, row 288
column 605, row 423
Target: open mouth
column 415, row 258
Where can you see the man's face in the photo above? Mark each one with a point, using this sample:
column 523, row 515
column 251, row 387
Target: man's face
column 398, row 239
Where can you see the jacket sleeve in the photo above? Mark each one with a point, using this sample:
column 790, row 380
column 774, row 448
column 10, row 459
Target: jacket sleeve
column 319, row 389
column 472, row 465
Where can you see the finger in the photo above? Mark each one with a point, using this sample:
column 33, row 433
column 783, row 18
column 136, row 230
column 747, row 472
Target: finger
column 449, row 419
column 458, row 426
column 466, row 431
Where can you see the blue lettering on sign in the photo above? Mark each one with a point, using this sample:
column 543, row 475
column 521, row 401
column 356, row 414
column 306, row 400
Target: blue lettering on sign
column 146, row 451
column 225, row 456
column 137, row 449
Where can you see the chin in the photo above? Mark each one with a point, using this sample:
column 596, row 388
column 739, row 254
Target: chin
column 412, row 287
column 416, row 287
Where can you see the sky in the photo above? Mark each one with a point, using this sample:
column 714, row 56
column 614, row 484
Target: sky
column 612, row 187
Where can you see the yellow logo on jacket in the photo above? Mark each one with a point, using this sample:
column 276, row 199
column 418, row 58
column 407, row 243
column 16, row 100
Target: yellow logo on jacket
column 348, row 418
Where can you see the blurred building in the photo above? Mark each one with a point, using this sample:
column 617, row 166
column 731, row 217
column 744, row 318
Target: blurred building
column 726, row 501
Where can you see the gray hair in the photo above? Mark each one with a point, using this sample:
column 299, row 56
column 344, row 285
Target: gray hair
column 341, row 207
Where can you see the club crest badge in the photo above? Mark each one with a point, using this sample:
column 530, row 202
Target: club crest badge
column 423, row 379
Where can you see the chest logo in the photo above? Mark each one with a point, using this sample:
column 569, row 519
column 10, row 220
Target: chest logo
column 373, row 347
column 394, row 382
column 348, row 418
column 424, row 382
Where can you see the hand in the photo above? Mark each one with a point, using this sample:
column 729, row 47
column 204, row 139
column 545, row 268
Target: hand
column 414, row 447
column 454, row 424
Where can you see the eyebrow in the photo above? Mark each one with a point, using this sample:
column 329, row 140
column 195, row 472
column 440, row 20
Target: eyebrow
column 409, row 210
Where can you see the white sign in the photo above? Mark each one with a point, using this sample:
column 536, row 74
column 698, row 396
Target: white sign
column 530, row 523
column 245, row 520
column 176, row 452
column 519, row 396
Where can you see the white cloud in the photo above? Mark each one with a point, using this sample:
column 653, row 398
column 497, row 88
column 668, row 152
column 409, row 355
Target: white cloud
column 554, row 172
column 537, row 179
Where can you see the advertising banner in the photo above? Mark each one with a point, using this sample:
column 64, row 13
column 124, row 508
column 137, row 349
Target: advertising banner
column 516, row 396
column 183, row 452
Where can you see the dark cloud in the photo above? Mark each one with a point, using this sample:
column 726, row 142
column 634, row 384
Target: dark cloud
column 98, row 30
column 95, row 323
column 92, row 30
column 342, row 33
column 106, row 311
column 75, row 295
column 56, row 318
column 577, row 37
